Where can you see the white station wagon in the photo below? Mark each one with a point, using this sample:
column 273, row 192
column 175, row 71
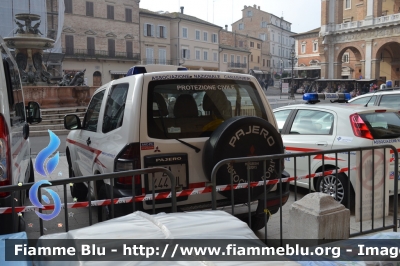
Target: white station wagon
column 186, row 121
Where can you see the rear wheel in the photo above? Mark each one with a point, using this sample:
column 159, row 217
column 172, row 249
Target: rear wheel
column 103, row 212
column 78, row 190
column 337, row 188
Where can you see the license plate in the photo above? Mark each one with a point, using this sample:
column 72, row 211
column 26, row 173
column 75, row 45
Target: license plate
column 162, row 180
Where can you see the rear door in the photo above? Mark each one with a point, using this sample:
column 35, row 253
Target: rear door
column 179, row 115
column 308, row 130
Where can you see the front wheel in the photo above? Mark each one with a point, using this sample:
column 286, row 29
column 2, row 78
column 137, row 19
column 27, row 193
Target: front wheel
column 103, row 212
column 335, row 187
column 78, row 190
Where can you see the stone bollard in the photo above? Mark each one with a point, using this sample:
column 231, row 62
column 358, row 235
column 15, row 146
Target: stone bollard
column 319, row 216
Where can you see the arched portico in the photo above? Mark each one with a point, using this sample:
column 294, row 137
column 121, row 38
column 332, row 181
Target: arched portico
column 349, row 57
column 386, row 62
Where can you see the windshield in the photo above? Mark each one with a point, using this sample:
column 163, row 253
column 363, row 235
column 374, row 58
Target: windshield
column 383, row 125
column 195, row 108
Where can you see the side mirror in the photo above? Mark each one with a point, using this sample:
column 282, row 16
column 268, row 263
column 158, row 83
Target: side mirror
column 72, row 122
column 33, row 115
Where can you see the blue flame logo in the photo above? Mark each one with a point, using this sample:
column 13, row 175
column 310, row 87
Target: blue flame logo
column 33, row 195
column 50, row 166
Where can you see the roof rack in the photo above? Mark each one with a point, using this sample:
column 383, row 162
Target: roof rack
column 313, row 98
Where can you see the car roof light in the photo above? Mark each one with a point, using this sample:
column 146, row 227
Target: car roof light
column 182, row 69
column 136, row 70
column 380, row 111
column 334, row 97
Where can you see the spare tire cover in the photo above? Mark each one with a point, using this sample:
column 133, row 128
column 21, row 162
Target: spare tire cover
column 243, row 136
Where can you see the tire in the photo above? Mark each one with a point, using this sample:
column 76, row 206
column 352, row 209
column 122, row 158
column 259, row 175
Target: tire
column 258, row 221
column 242, row 137
column 327, row 184
column 78, row 190
column 103, row 212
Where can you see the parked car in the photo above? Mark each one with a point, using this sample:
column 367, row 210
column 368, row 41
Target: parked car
column 15, row 160
column 313, row 127
column 386, row 98
column 185, row 121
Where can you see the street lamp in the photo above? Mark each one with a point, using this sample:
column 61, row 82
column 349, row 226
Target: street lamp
column 293, row 61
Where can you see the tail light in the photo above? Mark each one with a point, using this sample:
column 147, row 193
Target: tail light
column 360, row 129
column 129, row 159
column 5, row 156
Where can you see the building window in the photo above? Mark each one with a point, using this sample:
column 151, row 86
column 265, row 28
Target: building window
column 148, row 30
column 161, row 31
column 162, row 56
column 111, row 47
column 303, row 48
column 184, row 32
column 258, row 59
column 214, row 38
column 185, row 53
column 232, row 58
column 198, row 35
column 262, row 36
column 249, row 13
column 198, row 57
column 268, row 63
column 258, row 46
column 251, row 58
column 149, row 55
column 90, row 45
column 129, row 49
column 264, row 24
column 273, row 37
column 347, row 4
column 69, row 44
column 128, row 15
column 241, row 26
column 225, row 58
column 252, row 44
column 68, row 6
column 238, row 59
column 205, row 36
column 315, row 47
column 241, row 44
column 245, row 59
column 110, row 12
column 205, row 55
column 273, row 49
column 263, row 62
column 215, row 56
column 346, row 58
column 89, row 9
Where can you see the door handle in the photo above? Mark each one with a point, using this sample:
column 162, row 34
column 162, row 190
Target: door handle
column 322, row 143
column 88, row 141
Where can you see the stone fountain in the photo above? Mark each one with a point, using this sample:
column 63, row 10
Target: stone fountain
column 29, row 45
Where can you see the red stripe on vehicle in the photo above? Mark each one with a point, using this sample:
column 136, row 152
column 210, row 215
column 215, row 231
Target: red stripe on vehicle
column 391, row 151
column 301, row 149
column 85, row 147
column 319, row 157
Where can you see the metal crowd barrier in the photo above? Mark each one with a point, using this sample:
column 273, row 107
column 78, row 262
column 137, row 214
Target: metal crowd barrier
column 294, row 178
column 214, row 188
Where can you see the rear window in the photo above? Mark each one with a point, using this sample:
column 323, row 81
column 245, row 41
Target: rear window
column 383, row 125
column 195, row 108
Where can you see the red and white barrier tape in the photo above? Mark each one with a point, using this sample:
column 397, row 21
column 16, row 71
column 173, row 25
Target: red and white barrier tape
column 167, row 195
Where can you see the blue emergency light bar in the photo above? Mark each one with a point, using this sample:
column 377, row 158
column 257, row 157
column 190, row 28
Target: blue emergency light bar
column 316, row 97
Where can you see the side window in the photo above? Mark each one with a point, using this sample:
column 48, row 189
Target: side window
column 281, row 117
column 115, row 106
column 92, row 113
column 312, row 122
column 365, row 100
column 390, row 101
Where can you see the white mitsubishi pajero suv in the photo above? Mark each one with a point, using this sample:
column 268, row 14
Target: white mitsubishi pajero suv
column 186, row 121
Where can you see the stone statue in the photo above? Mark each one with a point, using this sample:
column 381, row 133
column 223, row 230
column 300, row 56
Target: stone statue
column 29, row 76
column 36, row 30
column 20, row 27
column 78, row 79
column 66, row 80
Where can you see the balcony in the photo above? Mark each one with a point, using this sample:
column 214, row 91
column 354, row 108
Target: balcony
column 96, row 54
column 356, row 25
column 151, row 61
column 237, row 65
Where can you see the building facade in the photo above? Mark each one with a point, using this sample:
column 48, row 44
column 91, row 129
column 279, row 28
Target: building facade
column 101, row 37
column 275, row 33
column 155, row 38
column 194, row 42
column 365, row 33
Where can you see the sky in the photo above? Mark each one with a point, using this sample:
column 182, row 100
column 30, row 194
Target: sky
column 304, row 15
